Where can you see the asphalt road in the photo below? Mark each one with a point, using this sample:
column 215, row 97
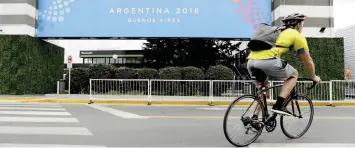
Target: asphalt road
column 95, row 125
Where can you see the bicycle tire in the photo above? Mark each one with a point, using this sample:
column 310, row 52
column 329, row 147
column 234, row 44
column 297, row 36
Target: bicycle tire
column 225, row 120
column 305, row 97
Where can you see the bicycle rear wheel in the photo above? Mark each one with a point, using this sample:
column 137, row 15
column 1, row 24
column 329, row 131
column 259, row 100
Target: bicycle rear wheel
column 251, row 126
column 297, row 107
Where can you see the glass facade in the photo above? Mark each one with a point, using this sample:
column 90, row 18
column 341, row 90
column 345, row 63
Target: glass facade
column 131, row 60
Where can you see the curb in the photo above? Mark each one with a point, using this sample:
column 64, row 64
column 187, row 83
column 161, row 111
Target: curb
column 164, row 102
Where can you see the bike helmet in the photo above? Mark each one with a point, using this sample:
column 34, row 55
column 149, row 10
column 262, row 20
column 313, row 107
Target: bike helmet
column 293, row 19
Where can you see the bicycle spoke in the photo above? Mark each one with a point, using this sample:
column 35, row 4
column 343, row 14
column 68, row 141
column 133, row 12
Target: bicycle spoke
column 245, row 123
column 301, row 112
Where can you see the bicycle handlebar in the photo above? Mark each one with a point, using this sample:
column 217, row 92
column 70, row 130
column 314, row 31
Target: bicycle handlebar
column 308, row 79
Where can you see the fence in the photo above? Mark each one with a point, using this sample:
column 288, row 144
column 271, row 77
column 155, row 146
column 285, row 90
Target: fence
column 208, row 90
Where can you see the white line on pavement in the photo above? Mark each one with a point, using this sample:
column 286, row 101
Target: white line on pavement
column 302, row 145
column 116, row 112
column 36, row 119
column 34, row 113
column 44, row 130
column 31, row 108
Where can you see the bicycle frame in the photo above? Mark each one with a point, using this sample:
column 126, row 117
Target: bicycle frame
column 261, row 92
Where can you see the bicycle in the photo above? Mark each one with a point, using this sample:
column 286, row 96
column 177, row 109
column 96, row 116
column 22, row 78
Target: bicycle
column 267, row 121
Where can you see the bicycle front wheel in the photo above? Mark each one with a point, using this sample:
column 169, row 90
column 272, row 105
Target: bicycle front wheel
column 239, row 115
column 302, row 109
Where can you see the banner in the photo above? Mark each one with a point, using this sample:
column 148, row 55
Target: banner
column 152, row 18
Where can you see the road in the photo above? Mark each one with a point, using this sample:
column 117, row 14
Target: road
column 97, row 125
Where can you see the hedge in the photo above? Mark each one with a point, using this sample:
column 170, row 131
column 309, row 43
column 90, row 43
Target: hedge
column 29, row 65
column 80, row 79
column 328, row 57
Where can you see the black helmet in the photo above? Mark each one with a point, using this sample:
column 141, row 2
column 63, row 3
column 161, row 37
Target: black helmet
column 293, row 19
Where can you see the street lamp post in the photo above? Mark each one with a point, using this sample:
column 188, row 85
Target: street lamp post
column 115, row 58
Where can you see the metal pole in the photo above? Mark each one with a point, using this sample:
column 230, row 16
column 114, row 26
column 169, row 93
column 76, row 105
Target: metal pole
column 58, row 87
column 69, row 82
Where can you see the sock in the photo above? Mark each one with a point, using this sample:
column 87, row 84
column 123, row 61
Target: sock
column 279, row 102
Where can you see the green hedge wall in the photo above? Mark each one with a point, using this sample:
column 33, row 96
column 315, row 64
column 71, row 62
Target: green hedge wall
column 328, row 57
column 29, row 65
column 81, row 76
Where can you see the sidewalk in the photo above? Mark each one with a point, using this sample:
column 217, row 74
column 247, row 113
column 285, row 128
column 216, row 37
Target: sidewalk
column 132, row 99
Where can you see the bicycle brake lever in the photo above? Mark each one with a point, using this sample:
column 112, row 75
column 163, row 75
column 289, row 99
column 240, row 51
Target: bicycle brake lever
column 313, row 85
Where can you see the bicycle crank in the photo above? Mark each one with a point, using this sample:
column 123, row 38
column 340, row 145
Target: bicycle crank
column 270, row 125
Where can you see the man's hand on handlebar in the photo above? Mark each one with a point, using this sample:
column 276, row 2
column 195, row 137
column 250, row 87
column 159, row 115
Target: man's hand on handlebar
column 316, row 79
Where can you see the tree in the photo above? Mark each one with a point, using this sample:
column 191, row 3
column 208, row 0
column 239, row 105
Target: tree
column 200, row 53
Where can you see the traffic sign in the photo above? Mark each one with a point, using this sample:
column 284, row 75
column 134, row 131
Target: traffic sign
column 69, row 64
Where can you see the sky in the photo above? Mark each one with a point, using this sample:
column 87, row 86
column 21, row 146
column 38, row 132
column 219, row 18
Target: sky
column 342, row 11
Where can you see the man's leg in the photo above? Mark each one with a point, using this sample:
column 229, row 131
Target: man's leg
column 286, row 89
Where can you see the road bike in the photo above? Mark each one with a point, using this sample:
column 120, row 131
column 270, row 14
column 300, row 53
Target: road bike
column 269, row 122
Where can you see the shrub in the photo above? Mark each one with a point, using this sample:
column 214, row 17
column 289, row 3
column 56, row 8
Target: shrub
column 170, row 73
column 124, row 73
column 101, row 71
column 123, row 86
column 79, row 79
column 219, row 72
column 192, row 73
column 147, row 73
column 194, row 87
column 170, row 87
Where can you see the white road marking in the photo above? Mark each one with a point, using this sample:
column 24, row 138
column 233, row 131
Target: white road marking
column 34, row 113
column 116, row 112
column 12, row 145
column 31, row 108
column 36, row 119
column 217, row 108
column 44, row 130
column 302, row 145
column 29, row 105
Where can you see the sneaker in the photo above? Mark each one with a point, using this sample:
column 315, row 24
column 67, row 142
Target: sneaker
column 282, row 111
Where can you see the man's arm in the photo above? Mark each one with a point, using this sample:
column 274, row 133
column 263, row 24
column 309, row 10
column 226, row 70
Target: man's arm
column 307, row 60
column 301, row 46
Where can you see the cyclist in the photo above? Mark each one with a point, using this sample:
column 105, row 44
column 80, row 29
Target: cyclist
column 270, row 62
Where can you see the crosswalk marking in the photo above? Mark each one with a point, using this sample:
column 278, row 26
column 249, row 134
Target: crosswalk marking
column 44, row 130
column 49, row 145
column 32, row 108
column 52, row 114
column 36, row 119
column 116, row 112
column 35, row 113
column 29, row 105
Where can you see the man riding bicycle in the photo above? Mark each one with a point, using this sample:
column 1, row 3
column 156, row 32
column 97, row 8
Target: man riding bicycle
column 269, row 61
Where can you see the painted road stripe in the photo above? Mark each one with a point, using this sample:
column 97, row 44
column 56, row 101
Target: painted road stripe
column 44, row 130
column 30, row 105
column 116, row 112
column 217, row 108
column 31, row 108
column 37, row 119
column 220, row 117
column 48, row 145
column 34, row 113
column 302, row 145
column 256, row 145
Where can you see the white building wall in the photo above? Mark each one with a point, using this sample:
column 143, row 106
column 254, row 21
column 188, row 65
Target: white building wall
column 349, row 47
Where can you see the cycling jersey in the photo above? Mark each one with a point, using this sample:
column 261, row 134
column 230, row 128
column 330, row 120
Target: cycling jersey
column 288, row 39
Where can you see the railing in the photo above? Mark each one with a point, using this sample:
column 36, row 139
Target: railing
column 208, row 90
